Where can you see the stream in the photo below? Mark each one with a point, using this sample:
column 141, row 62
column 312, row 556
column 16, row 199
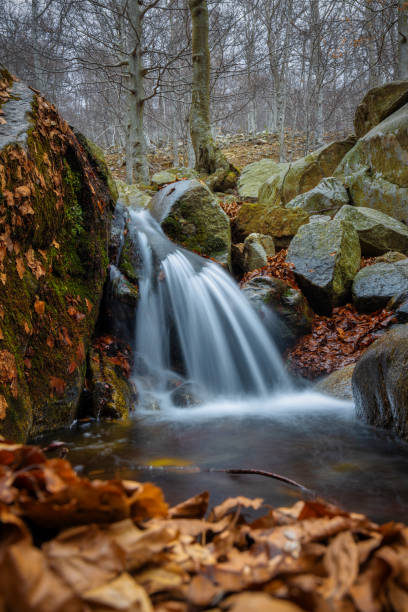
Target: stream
column 194, row 325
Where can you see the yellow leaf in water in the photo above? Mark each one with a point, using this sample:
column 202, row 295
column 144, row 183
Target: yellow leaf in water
column 164, row 461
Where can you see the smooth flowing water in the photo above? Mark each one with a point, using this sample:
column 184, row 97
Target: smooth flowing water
column 195, row 331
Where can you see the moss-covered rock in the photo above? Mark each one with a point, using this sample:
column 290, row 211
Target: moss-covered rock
column 280, row 223
column 304, row 174
column 257, row 249
column 191, row 216
column 325, row 199
column 326, row 258
column 254, row 175
column 173, row 174
column 375, row 285
column 378, row 104
column 375, row 171
column 55, row 213
column 132, row 196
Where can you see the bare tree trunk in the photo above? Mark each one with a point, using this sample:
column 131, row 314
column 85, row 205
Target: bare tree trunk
column 208, row 157
column 136, row 150
column 38, row 84
column 317, row 69
column 402, row 39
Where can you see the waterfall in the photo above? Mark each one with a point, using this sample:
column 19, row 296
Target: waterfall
column 192, row 313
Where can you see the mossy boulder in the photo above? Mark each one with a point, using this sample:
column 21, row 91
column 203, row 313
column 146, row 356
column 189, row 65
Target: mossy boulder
column 55, row 214
column 280, row 223
column 254, row 175
column 132, row 196
column 191, row 216
column 257, row 249
column 375, row 171
column 326, row 258
column 378, row 233
column 173, row 174
column 378, row 104
column 304, row 174
column 325, row 199
column 375, row 285
column 380, row 382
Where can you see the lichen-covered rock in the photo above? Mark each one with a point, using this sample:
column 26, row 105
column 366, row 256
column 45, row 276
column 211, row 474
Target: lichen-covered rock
column 375, row 171
column 272, row 296
column 378, row 233
column 378, row 104
column 132, row 196
column 304, row 174
column 375, row 285
column 338, row 384
column 390, row 257
column 325, row 199
column 254, row 175
column 55, row 214
column 257, row 249
column 380, row 382
column 191, row 216
column 173, row 174
column 326, row 258
column 280, row 223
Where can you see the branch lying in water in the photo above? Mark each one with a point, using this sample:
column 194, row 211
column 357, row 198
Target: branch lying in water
column 233, row 471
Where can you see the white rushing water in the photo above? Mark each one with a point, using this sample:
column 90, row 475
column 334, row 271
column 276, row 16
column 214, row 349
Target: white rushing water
column 192, row 314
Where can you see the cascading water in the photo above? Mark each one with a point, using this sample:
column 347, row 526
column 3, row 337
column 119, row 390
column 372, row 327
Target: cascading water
column 190, row 307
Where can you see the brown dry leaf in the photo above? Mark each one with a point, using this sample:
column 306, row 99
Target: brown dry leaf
column 72, row 367
column 58, row 385
column 195, row 507
column 3, row 278
column 202, row 592
column 232, row 503
column 23, row 191
column 8, row 367
column 50, row 342
column 258, row 602
column 27, row 328
column 89, row 304
column 80, row 352
column 1, row 334
column 123, row 593
column 3, row 407
column 169, row 578
column 342, row 564
column 25, row 209
column 20, row 267
column 55, row 244
column 39, row 307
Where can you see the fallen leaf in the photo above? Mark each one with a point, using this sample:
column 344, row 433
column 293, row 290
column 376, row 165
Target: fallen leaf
column 39, row 307
column 3, row 407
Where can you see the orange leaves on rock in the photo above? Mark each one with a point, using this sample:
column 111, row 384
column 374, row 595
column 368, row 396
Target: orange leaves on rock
column 337, row 341
column 57, row 385
column 75, row 314
column 3, row 407
column 8, row 371
column 23, row 191
column 39, row 307
column 277, row 267
column 20, row 267
column 89, row 304
column 231, row 209
column 34, row 264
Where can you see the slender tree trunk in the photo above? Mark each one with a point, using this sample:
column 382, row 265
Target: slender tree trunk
column 38, row 84
column 317, row 70
column 402, row 39
column 136, row 150
column 208, row 157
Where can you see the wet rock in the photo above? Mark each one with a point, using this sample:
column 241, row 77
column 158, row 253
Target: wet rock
column 338, row 384
column 380, row 382
column 375, row 171
column 399, row 304
column 278, row 222
column 325, row 199
column 185, row 396
column 173, row 174
column 272, row 295
column 58, row 216
column 254, row 175
column 257, row 249
column 378, row 104
column 378, row 233
column 375, row 285
column 304, row 174
column 134, row 197
column 191, row 216
column 326, row 257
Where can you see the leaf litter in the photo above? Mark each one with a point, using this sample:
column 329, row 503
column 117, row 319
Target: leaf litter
column 68, row 544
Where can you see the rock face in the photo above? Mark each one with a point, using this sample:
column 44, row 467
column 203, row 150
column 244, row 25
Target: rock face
column 378, row 104
column 274, row 296
column 171, row 175
column 257, row 249
column 380, row 382
column 56, row 210
column 375, row 171
column 375, row 285
column 378, row 233
column 326, row 257
column 278, row 222
column 338, row 384
column 133, row 196
column 254, row 175
column 304, row 174
column 191, row 216
column 325, row 199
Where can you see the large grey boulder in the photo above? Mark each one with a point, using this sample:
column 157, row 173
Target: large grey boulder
column 338, row 384
column 378, row 233
column 375, row 171
column 254, row 175
column 380, row 382
column 276, row 221
column 271, row 298
column 378, row 104
column 326, row 258
column 191, row 216
column 173, row 174
column 325, row 199
column 257, row 249
column 375, row 285
column 304, row 174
